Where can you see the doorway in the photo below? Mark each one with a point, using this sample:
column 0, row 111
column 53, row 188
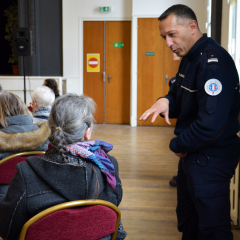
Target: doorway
column 156, row 66
column 106, row 64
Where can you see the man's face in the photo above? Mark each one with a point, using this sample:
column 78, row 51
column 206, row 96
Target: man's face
column 178, row 34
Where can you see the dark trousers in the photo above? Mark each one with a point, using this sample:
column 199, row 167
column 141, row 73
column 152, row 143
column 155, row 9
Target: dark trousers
column 203, row 208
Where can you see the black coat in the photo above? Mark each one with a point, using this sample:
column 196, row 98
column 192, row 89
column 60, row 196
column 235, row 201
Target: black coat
column 207, row 121
column 42, row 182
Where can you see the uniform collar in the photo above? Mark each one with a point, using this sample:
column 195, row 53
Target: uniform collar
column 197, row 48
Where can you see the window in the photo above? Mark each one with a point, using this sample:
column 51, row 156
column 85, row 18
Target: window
column 237, row 58
column 234, row 32
column 209, row 15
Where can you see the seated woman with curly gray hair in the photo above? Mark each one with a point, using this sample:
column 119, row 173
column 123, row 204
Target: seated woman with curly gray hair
column 42, row 100
column 74, row 168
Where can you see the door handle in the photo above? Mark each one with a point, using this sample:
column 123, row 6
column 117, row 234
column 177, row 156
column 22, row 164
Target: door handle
column 109, row 76
column 103, row 76
column 166, row 79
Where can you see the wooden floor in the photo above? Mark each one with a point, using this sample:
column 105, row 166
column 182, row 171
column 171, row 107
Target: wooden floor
column 146, row 166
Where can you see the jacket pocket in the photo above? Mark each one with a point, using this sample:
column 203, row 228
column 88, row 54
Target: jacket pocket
column 211, row 105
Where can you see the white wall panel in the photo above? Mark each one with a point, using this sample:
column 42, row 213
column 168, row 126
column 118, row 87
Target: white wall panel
column 16, row 85
column 156, row 8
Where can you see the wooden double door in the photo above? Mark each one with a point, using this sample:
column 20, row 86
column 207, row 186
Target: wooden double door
column 156, row 66
column 112, row 41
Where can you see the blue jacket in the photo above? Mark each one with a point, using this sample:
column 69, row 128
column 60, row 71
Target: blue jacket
column 205, row 100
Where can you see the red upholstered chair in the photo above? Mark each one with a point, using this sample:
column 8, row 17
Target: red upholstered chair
column 83, row 219
column 30, row 108
column 8, row 164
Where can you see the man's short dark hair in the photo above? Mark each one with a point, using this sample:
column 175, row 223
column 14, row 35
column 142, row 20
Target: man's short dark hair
column 181, row 11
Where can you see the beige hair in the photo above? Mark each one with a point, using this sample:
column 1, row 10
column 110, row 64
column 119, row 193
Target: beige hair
column 11, row 105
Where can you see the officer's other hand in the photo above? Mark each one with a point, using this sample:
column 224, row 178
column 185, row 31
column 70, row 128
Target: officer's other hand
column 181, row 155
column 161, row 106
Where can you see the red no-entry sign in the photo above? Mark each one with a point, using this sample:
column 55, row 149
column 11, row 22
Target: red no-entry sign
column 93, row 62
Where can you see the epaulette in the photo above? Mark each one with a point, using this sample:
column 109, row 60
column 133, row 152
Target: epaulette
column 211, row 56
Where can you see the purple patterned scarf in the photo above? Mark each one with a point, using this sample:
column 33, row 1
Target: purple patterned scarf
column 96, row 152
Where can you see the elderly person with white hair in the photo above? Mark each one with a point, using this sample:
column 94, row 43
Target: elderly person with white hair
column 42, row 100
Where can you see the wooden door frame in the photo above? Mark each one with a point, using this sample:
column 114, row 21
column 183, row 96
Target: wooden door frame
column 134, row 56
column 80, row 44
column 134, row 70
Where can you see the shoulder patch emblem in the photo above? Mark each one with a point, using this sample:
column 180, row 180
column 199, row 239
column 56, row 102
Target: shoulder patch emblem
column 213, row 87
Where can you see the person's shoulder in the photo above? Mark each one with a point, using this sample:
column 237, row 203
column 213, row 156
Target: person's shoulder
column 215, row 57
column 23, row 167
column 216, row 53
column 113, row 159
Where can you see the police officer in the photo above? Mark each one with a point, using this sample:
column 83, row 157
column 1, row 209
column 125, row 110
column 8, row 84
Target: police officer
column 205, row 100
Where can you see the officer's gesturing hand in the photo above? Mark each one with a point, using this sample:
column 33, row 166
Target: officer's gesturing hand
column 161, row 106
column 181, row 155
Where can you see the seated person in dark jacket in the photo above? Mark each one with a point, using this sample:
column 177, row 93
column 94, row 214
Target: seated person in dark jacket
column 73, row 168
column 42, row 100
column 18, row 133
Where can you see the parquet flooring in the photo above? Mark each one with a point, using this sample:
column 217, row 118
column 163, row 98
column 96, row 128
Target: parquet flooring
column 146, row 165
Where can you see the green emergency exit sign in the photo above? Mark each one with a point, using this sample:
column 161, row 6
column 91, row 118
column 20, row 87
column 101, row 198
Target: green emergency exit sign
column 118, row 45
column 104, row 9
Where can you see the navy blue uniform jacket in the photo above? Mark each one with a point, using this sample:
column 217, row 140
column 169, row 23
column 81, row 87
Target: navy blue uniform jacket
column 206, row 123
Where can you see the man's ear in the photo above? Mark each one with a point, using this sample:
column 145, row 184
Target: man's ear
column 193, row 27
column 87, row 135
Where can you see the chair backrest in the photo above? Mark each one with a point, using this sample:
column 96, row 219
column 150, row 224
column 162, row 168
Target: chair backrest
column 83, row 219
column 8, row 164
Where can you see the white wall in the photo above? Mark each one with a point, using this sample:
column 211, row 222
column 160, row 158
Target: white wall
column 156, row 7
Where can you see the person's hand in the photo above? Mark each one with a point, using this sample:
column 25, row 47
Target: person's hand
column 161, row 106
column 181, row 155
